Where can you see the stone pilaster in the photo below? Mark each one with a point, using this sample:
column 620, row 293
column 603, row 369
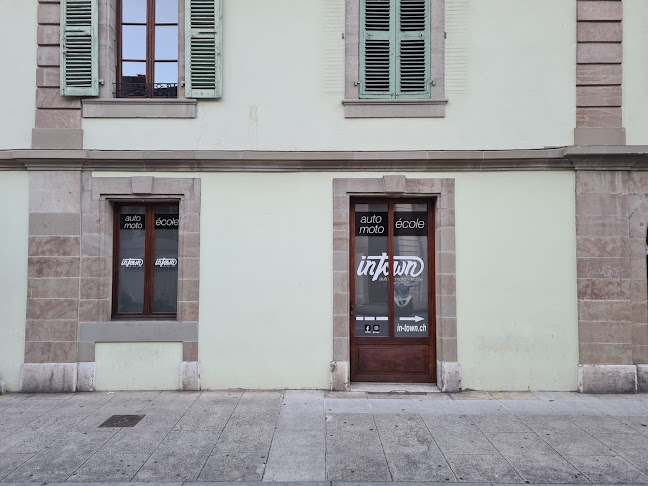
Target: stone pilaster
column 58, row 118
column 599, row 73
column 611, row 219
column 53, row 281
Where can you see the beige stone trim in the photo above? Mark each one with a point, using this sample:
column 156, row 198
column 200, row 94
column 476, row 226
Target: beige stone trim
column 57, row 138
column 599, row 57
column 445, row 279
column 595, row 157
column 395, row 110
column 139, row 108
column 611, row 225
column 599, row 136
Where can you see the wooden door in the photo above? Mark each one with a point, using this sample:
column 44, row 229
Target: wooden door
column 392, row 314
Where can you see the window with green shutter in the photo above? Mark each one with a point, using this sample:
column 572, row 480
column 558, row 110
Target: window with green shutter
column 395, row 49
column 203, row 31
column 79, row 56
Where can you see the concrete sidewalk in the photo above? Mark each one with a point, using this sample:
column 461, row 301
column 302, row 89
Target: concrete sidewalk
column 324, row 436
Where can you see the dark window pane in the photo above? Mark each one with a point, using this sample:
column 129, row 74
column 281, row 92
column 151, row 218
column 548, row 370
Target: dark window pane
column 165, row 263
column 134, row 11
column 166, row 42
column 134, row 42
column 130, row 296
column 166, row 72
column 372, row 271
column 411, row 271
column 166, row 11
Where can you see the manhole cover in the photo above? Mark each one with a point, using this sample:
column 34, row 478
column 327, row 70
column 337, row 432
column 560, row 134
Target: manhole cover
column 122, row 421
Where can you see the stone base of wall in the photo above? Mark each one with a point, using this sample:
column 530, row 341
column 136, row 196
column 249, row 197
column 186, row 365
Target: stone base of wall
column 190, row 375
column 642, row 378
column 449, row 376
column 340, row 375
column 48, row 377
column 607, row 378
column 86, row 373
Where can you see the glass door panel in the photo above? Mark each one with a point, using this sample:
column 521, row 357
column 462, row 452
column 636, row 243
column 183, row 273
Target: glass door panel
column 372, row 270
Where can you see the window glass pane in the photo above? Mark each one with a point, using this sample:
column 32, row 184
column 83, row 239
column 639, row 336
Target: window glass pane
column 130, row 297
column 411, row 316
column 134, row 11
column 166, row 11
column 372, row 271
column 134, row 42
column 166, row 42
column 165, row 263
column 166, row 72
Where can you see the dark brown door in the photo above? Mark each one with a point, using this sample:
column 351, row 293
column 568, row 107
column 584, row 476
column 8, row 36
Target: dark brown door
column 392, row 290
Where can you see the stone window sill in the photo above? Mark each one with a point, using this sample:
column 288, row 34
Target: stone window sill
column 139, row 108
column 364, row 108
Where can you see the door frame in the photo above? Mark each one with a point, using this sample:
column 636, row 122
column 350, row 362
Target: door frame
column 384, row 342
column 448, row 368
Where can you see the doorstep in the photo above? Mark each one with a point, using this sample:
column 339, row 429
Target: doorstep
column 394, row 387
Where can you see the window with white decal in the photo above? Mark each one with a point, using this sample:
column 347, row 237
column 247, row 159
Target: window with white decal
column 145, row 268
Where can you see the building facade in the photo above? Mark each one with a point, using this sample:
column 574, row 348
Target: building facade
column 207, row 194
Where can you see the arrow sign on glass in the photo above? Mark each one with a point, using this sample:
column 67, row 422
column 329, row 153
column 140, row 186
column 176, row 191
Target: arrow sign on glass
column 415, row 319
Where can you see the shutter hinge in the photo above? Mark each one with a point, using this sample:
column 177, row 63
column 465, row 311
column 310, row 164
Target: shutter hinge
column 356, row 83
column 101, row 82
column 351, row 308
column 432, row 82
column 445, row 34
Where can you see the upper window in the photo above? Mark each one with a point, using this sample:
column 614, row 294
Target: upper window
column 394, row 59
column 145, row 254
column 395, row 49
column 148, row 49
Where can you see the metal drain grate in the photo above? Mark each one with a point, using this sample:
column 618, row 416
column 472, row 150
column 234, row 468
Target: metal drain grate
column 122, row 421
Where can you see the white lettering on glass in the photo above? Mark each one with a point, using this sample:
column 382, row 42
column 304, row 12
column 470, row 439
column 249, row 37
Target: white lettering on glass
column 167, row 222
column 166, row 262
column 132, row 262
column 405, row 224
column 378, row 266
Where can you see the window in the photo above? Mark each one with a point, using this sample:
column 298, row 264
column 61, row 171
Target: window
column 394, row 59
column 145, row 260
column 148, row 49
column 395, row 49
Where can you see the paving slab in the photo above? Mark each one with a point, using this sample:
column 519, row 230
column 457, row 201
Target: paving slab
column 515, row 443
column 576, row 444
column 249, row 431
column 104, row 466
column 132, row 440
column 234, row 467
column 608, row 469
column 480, row 467
column 357, row 466
column 504, row 422
column 172, row 466
column 545, row 469
column 10, row 462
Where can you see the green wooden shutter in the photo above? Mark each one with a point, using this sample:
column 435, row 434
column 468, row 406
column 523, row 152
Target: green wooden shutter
column 413, row 49
column 377, row 42
column 79, row 48
column 203, row 31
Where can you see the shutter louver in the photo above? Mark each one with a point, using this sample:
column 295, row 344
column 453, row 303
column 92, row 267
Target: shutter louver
column 203, row 78
column 79, row 61
column 413, row 51
column 377, row 49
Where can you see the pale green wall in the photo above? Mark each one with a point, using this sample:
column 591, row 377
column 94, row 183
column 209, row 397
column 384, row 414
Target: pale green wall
column 18, row 80
column 635, row 71
column 138, row 366
column 516, row 280
column 266, row 279
column 510, row 79
column 14, row 199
